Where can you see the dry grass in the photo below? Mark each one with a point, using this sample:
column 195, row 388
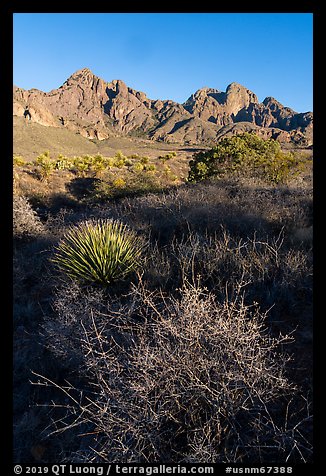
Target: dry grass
column 31, row 139
column 180, row 364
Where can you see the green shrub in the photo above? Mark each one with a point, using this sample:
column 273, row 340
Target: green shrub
column 19, row 161
column 119, row 159
column 101, row 251
column 81, row 166
column 98, row 164
column 144, row 160
column 247, row 154
column 119, row 163
column 110, row 162
column 169, row 174
column 150, row 167
column 119, row 183
column 63, row 163
column 119, row 155
column 45, row 155
column 138, row 167
column 103, row 191
column 98, row 158
column 199, row 171
column 45, row 165
column 166, row 157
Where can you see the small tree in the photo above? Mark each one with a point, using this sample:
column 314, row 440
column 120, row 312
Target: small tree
column 246, row 154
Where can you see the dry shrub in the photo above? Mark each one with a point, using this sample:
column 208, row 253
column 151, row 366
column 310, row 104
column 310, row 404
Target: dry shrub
column 241, row 207
column 156, row 378
column 72, row 305
column 25, row 220
column 275, row 275
column 174, row 379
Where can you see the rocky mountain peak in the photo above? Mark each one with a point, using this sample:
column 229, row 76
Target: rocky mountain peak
column 81, row 73
column 97, row 109
column 119, row 87
column 239, row 93
column 269, row 100
column 205, row 91
column 201, row 94
column 273, row 105
column 81, row 76
column 86, row 80
column 235, row 87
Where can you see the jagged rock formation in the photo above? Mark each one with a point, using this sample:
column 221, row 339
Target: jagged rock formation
column 96, row 109
column 219, row 107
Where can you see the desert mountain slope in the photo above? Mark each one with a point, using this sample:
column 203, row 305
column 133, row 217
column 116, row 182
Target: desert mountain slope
column 31, row 139
column 96, row 109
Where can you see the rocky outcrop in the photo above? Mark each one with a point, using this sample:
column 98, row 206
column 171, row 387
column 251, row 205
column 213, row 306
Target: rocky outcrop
column 218, row 107
column 128, row 109
column 282, row 136
column 77, row 105
column 96, row 109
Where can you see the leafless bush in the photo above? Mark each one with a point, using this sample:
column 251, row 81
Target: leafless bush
column 240, row 206
column 178, row 379
column 274, row 273
column 64, row 330
column 25, row 220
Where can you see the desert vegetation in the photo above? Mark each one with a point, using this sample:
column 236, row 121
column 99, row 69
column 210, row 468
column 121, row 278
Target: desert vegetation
column 98, row 252
column 163, row 319
column 94, row 178
column 248, row 154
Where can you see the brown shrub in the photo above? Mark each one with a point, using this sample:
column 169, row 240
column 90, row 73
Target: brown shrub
column 25, row 220
column 175, row 379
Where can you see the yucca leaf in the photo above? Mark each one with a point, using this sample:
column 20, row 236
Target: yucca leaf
column 98, row 251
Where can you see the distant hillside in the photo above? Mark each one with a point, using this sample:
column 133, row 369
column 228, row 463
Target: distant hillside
column 32, row 139
column 95, row 109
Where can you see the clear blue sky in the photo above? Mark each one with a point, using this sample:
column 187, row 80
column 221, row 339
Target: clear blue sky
column 170, row 55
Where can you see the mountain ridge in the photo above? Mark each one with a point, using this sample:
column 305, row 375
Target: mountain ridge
column 97, row 109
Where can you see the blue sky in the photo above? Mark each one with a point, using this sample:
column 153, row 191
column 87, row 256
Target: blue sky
column 170, row 55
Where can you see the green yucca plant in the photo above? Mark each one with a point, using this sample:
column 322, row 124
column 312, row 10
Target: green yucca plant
column 99, row 251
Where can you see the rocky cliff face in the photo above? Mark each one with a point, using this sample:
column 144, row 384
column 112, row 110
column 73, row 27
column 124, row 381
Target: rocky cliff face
column 218, row 107
column 96, row 109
